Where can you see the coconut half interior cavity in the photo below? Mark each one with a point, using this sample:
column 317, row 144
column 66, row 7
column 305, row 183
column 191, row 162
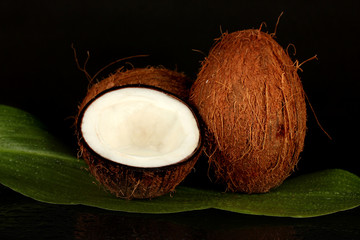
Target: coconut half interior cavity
column 140, row 127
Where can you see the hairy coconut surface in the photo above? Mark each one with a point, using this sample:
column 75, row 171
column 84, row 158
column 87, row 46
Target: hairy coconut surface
column 165, row 79
column 252, row 102
column 128, row 181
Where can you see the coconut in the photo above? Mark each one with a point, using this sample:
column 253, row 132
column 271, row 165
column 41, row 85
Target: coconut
column 252, row 102
column 137, row 134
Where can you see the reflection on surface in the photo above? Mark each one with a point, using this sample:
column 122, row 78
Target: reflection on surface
column 256, row 232
column 100, row 226
column 23, row 218
column 92, row 226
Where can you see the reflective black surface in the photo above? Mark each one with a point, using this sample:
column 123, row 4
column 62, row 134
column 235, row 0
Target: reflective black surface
column 24, row 218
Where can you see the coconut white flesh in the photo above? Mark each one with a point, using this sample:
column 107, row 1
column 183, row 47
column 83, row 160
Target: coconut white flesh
column 140, row 127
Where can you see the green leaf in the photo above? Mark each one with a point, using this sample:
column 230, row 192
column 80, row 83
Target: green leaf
column 35, row 164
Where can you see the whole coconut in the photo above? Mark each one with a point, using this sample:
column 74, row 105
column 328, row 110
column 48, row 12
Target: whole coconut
column 252, row 102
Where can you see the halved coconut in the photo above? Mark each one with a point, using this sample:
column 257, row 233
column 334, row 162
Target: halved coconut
column 139, row 141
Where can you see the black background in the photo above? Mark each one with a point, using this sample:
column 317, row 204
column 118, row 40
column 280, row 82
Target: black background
column 39, row 74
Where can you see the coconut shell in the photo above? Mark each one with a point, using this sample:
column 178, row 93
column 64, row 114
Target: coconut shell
column 171, row 81
column 252, row 102
column 132, row 182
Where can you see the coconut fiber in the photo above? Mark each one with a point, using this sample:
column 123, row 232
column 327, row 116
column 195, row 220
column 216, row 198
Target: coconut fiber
column 252, row 102
column 132, row 182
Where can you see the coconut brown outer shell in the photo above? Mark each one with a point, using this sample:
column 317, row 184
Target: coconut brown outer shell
column 252, row 101
column 131, row 182
column 168, row 80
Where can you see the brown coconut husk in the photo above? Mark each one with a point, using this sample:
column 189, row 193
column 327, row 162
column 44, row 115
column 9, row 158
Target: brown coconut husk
column 252, row 102
column 171, row 81
column 132, row 182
